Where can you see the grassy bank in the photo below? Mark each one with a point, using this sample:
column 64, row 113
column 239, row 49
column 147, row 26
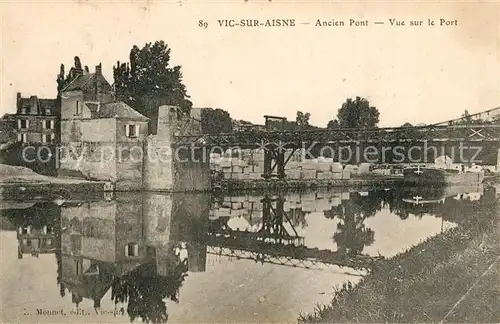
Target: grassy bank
column 452, row 278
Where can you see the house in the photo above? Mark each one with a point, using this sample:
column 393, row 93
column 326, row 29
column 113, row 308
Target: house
column 107, row 140
column 35, row 135
column 101, row 139
column 36, row 120
column 29, row 137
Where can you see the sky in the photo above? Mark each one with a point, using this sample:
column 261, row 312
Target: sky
column 411, row 74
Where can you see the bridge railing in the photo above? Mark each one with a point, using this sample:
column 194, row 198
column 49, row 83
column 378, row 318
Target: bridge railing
column 255, row 138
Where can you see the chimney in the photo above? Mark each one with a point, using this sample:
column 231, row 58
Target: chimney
column 18, row 102
column 33, row 105
column 86, row 70
column 98, row 69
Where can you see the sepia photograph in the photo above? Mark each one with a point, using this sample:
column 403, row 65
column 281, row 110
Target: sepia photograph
column 249, row 161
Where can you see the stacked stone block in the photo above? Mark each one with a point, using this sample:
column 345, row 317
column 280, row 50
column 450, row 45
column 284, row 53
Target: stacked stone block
column 249, row 165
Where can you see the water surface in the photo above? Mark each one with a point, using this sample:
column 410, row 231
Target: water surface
column 203, row 258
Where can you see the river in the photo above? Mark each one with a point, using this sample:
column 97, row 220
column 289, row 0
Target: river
column 204, row 258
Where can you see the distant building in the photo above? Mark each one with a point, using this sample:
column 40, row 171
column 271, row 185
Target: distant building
column 36, row 120
column 30, row 136
column 35, row 241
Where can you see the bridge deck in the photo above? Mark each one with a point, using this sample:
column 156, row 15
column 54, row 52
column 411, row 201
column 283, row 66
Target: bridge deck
column 267, row 250
column 252, row 139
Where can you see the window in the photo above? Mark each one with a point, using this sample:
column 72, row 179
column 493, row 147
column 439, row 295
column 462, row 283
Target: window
column 23, row 123
column 44, row 138
column 132, row 130
column 23, row 138
column 78, row 265
column 48, row 124
column 52, row 137
column 132, row 250
column 77, row 107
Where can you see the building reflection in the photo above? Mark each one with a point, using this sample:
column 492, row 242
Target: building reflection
column 36, row 226
column 141, row 247
column 136, row 245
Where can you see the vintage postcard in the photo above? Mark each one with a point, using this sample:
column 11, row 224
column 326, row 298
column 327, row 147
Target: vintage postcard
column 249, row 162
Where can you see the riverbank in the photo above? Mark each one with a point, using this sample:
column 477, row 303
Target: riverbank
column 297, row 185
column 450, row 278
column 22, row 183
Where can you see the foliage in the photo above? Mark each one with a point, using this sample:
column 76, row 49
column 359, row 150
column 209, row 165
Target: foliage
column 7, row 132
column 467, row 119
column 356, row 114
column 409, row 132
column 352, row 235
column 302, row 119
column 144, row 291
column 215, row 121
column 148, row 81
column 333, row 124
column 301, row 122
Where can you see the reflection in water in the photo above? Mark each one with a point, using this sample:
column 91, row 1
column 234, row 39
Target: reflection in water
column 144, row 290
column 352, row 235
column 138, row 249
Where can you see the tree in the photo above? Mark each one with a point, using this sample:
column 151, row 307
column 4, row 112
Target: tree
column 466, row 118
column 302, row 119
column 332, row 124
column 148, row 81
column 357, row 114
column 8, row 134
column 409, row 132
column 215, row 121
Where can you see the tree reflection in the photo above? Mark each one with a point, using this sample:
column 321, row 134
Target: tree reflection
column 298, row 217
column 352, row 235
column 145, row 290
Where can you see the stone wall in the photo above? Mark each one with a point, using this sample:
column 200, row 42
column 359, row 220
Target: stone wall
column 99, row 150
column 90, row 230
column 93, row 159
column 249, row 165
column 176, row 170
column 68, row 105
column 129, row 226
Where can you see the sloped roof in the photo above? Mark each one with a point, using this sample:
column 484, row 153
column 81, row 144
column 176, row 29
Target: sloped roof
column 88, row 83
column 118, row 110
column 39, row 108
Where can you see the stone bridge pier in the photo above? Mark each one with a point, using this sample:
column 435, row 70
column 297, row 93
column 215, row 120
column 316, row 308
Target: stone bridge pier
column 175, row 168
